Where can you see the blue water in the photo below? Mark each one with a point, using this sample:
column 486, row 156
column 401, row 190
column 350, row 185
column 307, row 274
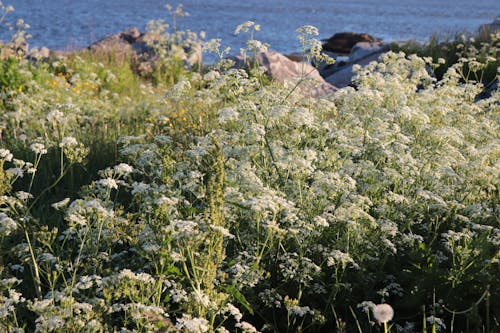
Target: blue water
column 68, row 24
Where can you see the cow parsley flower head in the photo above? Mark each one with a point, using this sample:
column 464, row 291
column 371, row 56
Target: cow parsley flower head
column 7, row 225
column 55, row 116
column 68, row 141
column 227, row 115
column 38, row 148
column 107, row 183
column 60, row 204
column 6, row 155
column 194, row 325
column 123, row 169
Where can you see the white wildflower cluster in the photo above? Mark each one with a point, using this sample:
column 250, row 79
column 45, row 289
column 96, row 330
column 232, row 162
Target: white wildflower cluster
column 38, row 148
column 67, row 142
column 274, row 201
column 6, row 155
column 7, row 225
column 194, row 325
column 341, row 259
column 227, row 115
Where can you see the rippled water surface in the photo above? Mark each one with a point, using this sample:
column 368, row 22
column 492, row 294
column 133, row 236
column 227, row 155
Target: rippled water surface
column 62, row 24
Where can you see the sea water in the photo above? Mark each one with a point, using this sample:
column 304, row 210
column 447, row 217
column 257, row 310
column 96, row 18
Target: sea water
column 70, row 24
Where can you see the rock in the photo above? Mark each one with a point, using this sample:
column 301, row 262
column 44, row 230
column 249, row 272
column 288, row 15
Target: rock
column 323, row 66
column 488, row 90
column 342, row 78
column 117, row 45
column 37, row 54
column 13, row 49
column 296, row 56
column 190, row 52
column 490, row 27
column 342, row 43
column 321, row 90
column 140, row 50
column 281, row 69
column 365, row 49
column 44, row 52
column 130, row 35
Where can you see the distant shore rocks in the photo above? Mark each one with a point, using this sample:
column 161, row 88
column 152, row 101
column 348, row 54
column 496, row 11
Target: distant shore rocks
column 317, row 79
column 119, row 44
column 491, row 27
column 343, row 42
column 140, row 49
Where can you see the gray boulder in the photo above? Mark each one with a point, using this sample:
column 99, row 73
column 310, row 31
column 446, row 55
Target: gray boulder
column 343, row 77
column 281, row 69
column 365, row 49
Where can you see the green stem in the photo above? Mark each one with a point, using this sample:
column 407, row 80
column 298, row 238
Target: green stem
column 36, row 278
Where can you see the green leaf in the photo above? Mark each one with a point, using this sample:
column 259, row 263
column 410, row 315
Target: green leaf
column 239, row 297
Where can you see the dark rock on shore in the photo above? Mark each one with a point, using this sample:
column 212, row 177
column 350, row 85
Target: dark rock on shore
column 343, row 42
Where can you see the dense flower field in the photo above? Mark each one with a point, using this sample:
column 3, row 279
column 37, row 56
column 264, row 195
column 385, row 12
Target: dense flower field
column 228, row 203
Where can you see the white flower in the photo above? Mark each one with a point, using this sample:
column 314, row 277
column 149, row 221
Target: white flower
column 210, row 76
column 85, row 282
column 6, row 155
column 246, row 327
column 222, row 230
column 50, row 324
column 321, row 222
column 140, row 188
column 366, row 306
column 438, row 322
column 55, row 116
column 227, row 115
column 299, row 311
column 21, row 195
column 7, row 225
column 233, row 311
column 15, row 172
column 383, row 313
column 17, row 268
column 38, row 148
column 107, row 183
column 308, row 30
column 47, row 258
column 195, row 325
column 60, row 204
column 77, row 219
column 245, row 27
column 163, row 200
column 68, row 141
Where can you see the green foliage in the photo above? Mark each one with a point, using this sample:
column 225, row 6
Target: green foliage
column 483, row 49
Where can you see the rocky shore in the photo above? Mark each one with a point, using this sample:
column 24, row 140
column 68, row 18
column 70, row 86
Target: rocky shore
column 348, row 49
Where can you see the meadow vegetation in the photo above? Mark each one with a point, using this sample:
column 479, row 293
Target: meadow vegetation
column 215, row 200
